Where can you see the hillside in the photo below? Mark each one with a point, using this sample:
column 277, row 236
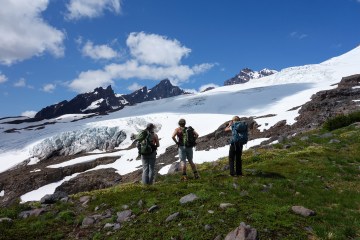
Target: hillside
column 79, row 153
column 318, row 170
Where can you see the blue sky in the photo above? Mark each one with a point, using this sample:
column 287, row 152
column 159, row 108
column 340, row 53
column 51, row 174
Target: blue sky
column 51, row 50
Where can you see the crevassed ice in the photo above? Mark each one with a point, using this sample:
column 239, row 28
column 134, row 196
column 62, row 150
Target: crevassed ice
column 73, row 142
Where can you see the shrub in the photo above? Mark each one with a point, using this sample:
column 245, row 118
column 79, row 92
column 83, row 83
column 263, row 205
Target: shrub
column 341, row 121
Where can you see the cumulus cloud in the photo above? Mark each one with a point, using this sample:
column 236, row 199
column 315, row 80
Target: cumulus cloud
column 161, row 60
column 89, row 80
column 29, row 114
column 156, row 49
column 20, row 83
column 210, row 85
column 298, row 35
column 78, row 9
column 25, row 34
column 3, row 78
column 134, row 87
column 98, row 51
column 49, row 87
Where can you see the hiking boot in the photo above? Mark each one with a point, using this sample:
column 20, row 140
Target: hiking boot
column 196, row 175
column 184, row 178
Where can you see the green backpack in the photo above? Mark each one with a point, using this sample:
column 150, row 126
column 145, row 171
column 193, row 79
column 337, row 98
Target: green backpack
column 144, row 145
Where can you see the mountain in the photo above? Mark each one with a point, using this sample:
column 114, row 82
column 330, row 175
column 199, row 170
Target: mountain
column 103, row 101
column 247, row 74
column 164, row 89
column 279, row 106
column 99, row 101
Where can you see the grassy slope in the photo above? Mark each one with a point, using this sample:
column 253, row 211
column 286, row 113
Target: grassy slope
column 314, row 173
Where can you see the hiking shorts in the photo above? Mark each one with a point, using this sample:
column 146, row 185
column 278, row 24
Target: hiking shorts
column 186, row 153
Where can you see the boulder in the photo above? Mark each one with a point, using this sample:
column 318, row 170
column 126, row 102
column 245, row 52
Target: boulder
column 300, row 210
column 188, row 198
column 52, row 198
column 243, row 232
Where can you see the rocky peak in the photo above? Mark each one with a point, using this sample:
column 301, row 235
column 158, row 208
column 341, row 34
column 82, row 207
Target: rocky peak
column 163, row 89
column 99, row 101
column 247, row 74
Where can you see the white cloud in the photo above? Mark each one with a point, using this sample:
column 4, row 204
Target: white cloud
column 29, row 114
column 147, row 63
column 156, row 49
column 3, row 78
column 24, row 33
column 98, row 51
column 88, row 81
column 134, row 87
column 49, row 88
column 20, row 83
column 298, row 35
column 78, row 9
column 204, row 87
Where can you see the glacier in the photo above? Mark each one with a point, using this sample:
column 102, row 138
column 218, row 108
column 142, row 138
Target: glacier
column 79, row 141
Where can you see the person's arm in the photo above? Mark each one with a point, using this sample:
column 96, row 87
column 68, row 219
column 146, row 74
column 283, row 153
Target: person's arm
column 196, row 135
column 228, row 128
column 174, row 136
column 157, row 143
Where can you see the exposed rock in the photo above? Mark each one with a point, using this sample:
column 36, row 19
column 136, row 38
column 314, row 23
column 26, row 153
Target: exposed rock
column 153, row 208
column 88, row 221
column 334, row 141
column 123, row 216
column 188, row 198
column 52, row 198
column 5, row 219
column 84, row 199
column 243, row 232
column 175, row 167
column 88, row 181
column 247, row 74
column 35, row 212
column 172, row 217
column 208, row 227
column 225, row 205
column 99, row 101
column 303, row 211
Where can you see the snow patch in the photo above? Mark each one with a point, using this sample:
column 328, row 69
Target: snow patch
column 33, row 161
column 93, row 105
column 2, row 193
column 37, row 194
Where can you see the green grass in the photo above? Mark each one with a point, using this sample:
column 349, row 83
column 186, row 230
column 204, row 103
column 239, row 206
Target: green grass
column 313, row 173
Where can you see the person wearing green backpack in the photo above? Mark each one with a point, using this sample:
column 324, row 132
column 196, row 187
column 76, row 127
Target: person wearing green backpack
column 148, row 142
column 239, row 137
column 185, row 139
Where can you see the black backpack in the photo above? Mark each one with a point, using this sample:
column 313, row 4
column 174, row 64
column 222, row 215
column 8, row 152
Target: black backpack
column 189, row 137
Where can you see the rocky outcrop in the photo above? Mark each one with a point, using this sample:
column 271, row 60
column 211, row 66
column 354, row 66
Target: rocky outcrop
column 162, row 90
column 91, row 180
column 99, row 101
column 247, row 74
column 330, row 103
column 16, row 183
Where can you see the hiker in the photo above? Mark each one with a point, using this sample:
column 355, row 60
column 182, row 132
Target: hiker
column 238, row 139
column 148, row 142
column 185, row 137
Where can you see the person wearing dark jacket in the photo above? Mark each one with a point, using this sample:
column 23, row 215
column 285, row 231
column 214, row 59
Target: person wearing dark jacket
column 235, row 151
